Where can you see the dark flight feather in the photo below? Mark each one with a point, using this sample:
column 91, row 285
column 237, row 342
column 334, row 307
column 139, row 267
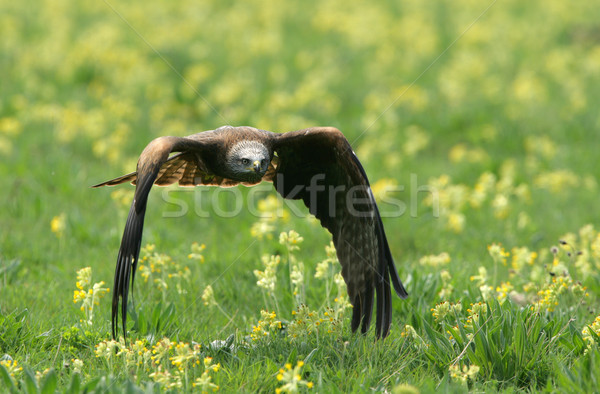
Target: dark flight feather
column 357, row 231
column 302, row 162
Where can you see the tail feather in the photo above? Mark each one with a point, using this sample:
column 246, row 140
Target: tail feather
column 127, row 265
column 149, row 164
column 367, row 310
column 362, row 312
column 131, row 177
column 384, row 306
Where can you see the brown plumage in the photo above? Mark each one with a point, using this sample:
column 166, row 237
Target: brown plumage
column 316, row 165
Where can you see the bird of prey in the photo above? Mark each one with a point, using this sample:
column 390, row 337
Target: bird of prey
column 316, row 165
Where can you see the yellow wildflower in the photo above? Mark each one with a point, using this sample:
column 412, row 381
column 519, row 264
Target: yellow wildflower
column 435, row 260
column 196, row 252
column 58, row 225
column 503, row 291
column 77, row 364
column 12, row 367
column 291, row 378
column 445, row 309
column 208, row 296
column 498, row 253
column 587, row 332
column 462, row 375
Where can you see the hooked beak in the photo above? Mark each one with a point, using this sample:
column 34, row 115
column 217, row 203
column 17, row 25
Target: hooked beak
column 256, row 165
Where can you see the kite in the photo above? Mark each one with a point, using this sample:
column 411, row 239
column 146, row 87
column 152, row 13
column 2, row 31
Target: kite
column 316, row 165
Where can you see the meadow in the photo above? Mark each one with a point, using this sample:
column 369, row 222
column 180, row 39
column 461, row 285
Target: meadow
column 477, row 123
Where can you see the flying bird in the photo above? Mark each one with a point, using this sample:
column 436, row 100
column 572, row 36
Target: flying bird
column 316, row 165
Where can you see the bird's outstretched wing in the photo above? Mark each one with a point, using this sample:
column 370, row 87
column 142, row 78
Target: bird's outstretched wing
column 187, row 169
column 156, row 167
column 318, row 166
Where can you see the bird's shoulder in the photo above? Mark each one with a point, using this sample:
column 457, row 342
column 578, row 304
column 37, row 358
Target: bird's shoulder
column 321, row 132
column 231, row 134
column 324, row 143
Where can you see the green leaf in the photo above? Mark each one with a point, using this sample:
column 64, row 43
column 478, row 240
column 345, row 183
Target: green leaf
column 166, row 317
column 30, row 381
column 310, row 355
column 293, row 356
column 75, row 386
column 91, row 384
column 49, row 383
column 8, row 382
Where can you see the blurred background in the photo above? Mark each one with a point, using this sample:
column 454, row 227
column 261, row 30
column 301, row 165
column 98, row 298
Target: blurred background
column 495, row 105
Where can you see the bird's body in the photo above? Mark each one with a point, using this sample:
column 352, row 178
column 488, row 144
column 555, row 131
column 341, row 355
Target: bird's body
column 316, row 165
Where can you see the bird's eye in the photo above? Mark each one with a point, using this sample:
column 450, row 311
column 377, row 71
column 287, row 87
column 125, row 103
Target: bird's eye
column 245, row 161
column 263, row 162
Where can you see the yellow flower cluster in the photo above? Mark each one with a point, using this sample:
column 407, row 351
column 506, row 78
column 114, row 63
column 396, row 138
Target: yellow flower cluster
column 204, row 382
column 383, row 187
column 461, row 153
column 583, row 250
column 543, row 284
column 476, row 310
column 412, row 139
column 557, row 181
column 499, row 192
column 12, row 367
column 262, row 229
column 58, row 224
column 341, row 302
column 291, row 379
column 173, row 364
column 122, row 197
column 184, row 356
column 108, row 349
column 290, row 240
column 328, row 270
column 166, row 378
column 587, row 332
column 10, row 126
column 306, row 322
column 522, row 257
column 265, row 326
column 445, row 309
column 435, row 261
column 161, row 350
column 87, row 294
column 325, row 269
column 447, row 286
column 541, row 146
column 77, row 365
column 482, row 189
column 498, row 253
column 481, row 277
column 268, row 278
column 197, row 250
column 208, row 296
column 327, row 320
column 162, row 269
column 450, row 200
column 270, row 209
column 297, row 279
column 550, row 294
column 409, row 333
column 503, row 291
column 463, row 374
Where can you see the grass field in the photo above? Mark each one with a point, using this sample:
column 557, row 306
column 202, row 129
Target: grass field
column 477, row 123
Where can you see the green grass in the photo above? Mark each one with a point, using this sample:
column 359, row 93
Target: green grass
column 428, row 93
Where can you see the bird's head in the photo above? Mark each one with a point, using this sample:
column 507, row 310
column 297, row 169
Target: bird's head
column 248, row 160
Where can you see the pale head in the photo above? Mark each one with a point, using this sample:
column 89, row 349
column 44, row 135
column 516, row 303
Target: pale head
column 248, row 160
